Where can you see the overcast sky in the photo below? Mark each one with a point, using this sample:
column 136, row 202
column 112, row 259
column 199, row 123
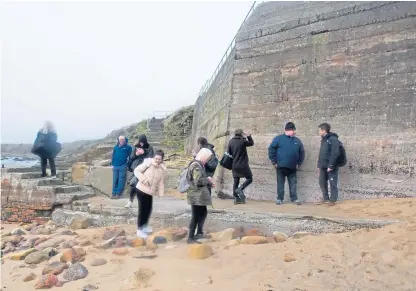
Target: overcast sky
column 94, row 67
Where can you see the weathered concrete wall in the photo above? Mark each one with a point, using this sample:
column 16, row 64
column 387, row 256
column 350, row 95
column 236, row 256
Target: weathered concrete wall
column 351, row 64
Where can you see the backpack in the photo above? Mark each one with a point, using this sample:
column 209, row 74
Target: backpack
column 342, row 159
column 212, row 163
column 184, row 181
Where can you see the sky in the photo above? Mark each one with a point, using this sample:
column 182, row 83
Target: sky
column 92, row 67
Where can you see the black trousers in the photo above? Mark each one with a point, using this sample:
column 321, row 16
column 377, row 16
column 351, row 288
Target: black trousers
column 332, row 178
column 133, row 193
column 247, row 182
column 44, row 162
column 282, row 173
column 145, row 208
column 199, row 215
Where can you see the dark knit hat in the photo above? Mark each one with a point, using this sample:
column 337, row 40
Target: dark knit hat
column 290, row 126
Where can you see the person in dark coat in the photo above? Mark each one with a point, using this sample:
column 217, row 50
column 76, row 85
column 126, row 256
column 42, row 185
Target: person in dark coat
column 327, row 163
column 119, row 161
column 47, row 148
column 143, row 150
column 287, row 154
column 237, row 147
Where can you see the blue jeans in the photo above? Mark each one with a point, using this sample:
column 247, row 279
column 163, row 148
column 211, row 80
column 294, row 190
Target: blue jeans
column 282, row 173
column 119, row 179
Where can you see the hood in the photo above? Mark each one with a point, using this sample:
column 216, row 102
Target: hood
column 143, row 139
column 211, row 145
column 331, row 134
column 118, row 141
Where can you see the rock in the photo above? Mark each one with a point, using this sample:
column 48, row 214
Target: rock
column 40, row 240
column 50, row 223
column 27, row 244
column 252, row 232
column 89, row 287
column 43, row 231
column 233, row 242
column 150, row 245
column 29, row 277
column 8, row 248
column 55, row 268
column 280, row 236
column 108, row 244
column 14, row 239
column 138, row 242
column 69, row 244
column 66, row 232
column 73, row 255
column 271, row 239
column 199, row 251
column 121, row 251
column 28, row 227
column 6, row 234
column 22, row 255
column 253, row 240
column 159, row 240
column 120, row 242
column 172, row 234
column 300, row 234
column 289, row 258
column 141, row 277
column 98, row 262
column 50, row 243
column 113, row 232
column 80, row 223
column 37, row 257
column 18, row 231
column 75, row 272
column 85, row 242
column 225, row 235
column 47, row 281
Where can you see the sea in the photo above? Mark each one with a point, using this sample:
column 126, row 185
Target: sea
column 18, row 162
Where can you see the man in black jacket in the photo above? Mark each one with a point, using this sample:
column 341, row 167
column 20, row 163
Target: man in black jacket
column 328, row 163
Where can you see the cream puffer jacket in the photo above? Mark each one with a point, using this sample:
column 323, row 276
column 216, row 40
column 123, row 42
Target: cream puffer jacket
column 151, row 177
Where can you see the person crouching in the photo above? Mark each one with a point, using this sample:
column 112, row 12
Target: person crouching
column 151, row 174
column 198, row 195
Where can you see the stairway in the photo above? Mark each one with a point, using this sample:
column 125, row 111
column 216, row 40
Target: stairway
column 155, row 134
column 27, row 197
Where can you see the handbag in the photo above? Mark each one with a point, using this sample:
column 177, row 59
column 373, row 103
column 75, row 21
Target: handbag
column 227, row 161
column 134, row 180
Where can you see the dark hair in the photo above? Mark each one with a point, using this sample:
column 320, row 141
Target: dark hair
column 290, row 126
column 238, row 131
column 202, row 141
column 160, row 153
column 325, row 126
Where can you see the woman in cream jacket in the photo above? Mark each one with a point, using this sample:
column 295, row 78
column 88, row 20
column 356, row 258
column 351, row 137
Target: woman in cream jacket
column 151, row 174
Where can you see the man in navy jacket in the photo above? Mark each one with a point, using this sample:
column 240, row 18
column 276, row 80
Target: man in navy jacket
column 286, row 153
column 119, row 160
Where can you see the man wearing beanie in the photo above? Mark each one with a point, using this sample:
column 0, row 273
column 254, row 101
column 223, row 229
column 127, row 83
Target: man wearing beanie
column 286, row 153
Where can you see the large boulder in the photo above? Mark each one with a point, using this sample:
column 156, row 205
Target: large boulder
column 79, row 172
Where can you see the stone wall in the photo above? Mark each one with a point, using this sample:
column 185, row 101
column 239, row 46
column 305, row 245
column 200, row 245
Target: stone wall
column 351, row 64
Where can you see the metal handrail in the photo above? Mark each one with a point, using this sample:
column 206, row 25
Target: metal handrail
column 208, row 83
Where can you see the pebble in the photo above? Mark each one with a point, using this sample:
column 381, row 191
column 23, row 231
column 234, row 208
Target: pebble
column 199, row 251
column 80, row 223
column 37, row 257
column 40, row 240
column 43, row 231
column 280, row 236
column 98, row 262
column 138, row 242
column 73, row 255
column 89, row 287
column 121, row 251
column 159, row 240
column 289, row 257
column 29, row 277
column 113, row 232
column 22, row 255
column 47, row 281
column 300, row 234
column 141, row 277
column 69, row 244
column 75, row 272
column 233, row 242
column 253, row 240
column 252, row 232
column 85, row 242
column 225, row 235
column 55, row 268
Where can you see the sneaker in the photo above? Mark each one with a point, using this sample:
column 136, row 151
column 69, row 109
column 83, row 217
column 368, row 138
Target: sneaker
column 129, row 204
column 279, row 202
column 297, row 202
column 147, row 229
column 191, row 241
column 140, row 233
column 240, row 194
column 53, row 177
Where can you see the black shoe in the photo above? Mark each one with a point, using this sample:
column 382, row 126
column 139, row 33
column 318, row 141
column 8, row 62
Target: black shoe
column 43, row 175
column 238, row 200
column 240, row 194
column 199, row 236
column 193, row 240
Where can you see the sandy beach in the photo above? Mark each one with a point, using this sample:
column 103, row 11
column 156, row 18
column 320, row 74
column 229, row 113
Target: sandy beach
column 378, row 259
